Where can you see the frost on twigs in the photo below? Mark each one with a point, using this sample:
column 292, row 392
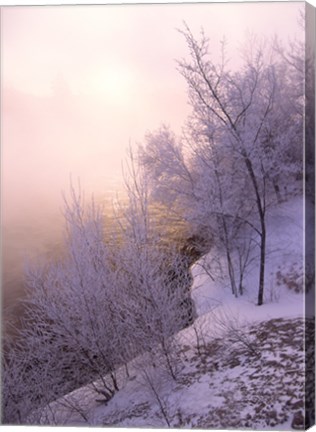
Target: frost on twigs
column 101, row 304
column 235, row 332
column 241, row 148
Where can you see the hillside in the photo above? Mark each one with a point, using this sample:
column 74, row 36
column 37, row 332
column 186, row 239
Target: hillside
column 238, row 366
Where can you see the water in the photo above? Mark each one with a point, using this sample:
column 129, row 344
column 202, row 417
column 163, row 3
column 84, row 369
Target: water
column 25, row 240
column 38, row 236
column 30, row 237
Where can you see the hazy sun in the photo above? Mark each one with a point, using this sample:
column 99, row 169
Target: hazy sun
column 113, row 82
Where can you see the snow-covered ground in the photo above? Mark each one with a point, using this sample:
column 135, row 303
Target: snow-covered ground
column 284, row 257
column 239, row 365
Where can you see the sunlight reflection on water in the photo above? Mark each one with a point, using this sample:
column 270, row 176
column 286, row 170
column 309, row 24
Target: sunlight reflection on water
column 37, row 236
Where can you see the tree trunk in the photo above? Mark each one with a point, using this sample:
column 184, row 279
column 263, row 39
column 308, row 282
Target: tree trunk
column 262, row 263
column 241, row 288
column 277, row 191
column 167, row 357
column 231, row 273
column 114, row 381
column 226, row 239
column 261, row 211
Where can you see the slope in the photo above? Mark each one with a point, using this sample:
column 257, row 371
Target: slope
column 238, row 366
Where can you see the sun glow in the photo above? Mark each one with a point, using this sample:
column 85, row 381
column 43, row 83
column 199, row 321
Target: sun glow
column 114, row 83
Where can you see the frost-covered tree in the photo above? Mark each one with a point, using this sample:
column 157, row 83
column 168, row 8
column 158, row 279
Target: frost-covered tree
column 241, row 149
column 247, row 115
column 154, row 277
column 194, row 181
column 68, row 335
column 223, row 207
column 89, row 312
column 173, row 180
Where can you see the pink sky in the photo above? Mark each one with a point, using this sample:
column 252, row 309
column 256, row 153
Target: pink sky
column 80, row 83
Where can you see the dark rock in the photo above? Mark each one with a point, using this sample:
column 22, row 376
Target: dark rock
column 298, row 422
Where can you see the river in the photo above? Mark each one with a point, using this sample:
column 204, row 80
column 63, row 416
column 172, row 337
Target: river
column 31, row 237
column 36, row 237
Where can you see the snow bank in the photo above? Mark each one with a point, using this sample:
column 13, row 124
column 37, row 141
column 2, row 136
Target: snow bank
column 284, row 271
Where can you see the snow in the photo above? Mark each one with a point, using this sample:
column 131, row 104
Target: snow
column 284, row 251
column 215, row 386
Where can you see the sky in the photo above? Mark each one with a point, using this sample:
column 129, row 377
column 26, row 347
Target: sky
column 82, row 83
column 79, row 84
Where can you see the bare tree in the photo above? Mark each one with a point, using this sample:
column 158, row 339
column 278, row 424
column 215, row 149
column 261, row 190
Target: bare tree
column 239, row 113
column 96, row 307
column 234, row 331
column 154, row 278
column 205, row 189
column 69, row 336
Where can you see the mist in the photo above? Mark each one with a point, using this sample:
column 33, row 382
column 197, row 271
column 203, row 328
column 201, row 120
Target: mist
column 82, row 83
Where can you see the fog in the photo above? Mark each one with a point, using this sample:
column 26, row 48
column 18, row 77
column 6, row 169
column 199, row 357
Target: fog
column 79, row 84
